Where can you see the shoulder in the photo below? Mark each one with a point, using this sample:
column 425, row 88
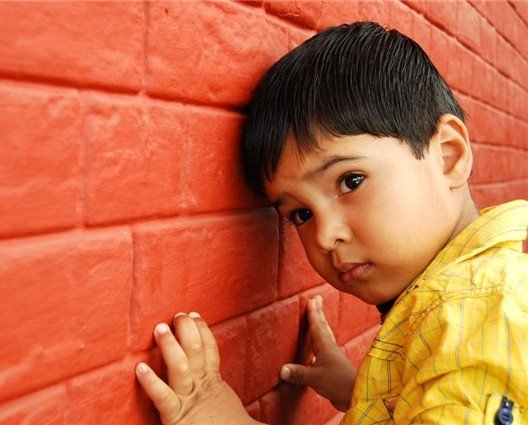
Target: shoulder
column 496, row 273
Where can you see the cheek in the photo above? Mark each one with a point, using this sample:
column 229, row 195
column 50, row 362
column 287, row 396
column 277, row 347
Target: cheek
column 315, row 257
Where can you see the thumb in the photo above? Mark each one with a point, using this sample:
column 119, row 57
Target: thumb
column 297, row 374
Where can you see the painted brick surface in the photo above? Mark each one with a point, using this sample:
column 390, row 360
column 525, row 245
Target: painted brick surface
column 218, row 59
column 39, row 159
column 218, row 266
column 43, row 407
column 122, row 200
column 131, row 149
column 74, row 43
column 268, row 349
column 65, row 301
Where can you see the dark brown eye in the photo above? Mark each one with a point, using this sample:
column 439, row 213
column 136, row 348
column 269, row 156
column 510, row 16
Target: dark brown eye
column 298, row 217
column 350, row 182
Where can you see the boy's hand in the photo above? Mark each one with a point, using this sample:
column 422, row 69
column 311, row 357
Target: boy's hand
column 195, row 394
column 330, row 373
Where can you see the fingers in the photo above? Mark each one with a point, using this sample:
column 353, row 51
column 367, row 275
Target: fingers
column 297, row 374
column 178, row 367
column 319, row 329
column 210, row 347
column 159, row 392
column 190, row 340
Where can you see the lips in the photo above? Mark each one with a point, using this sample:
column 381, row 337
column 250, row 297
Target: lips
column 349, row 271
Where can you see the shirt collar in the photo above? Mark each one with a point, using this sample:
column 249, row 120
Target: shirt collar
column 503, row 224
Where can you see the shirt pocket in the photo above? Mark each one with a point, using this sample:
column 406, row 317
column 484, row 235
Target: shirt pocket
column 493, row 405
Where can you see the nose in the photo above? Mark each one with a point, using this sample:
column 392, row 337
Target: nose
column 331, row 230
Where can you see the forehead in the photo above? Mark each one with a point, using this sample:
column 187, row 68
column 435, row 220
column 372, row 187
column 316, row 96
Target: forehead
column 295, row 167
column 293, row 162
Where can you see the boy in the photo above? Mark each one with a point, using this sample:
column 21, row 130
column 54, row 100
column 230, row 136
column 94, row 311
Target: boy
column 356, row 139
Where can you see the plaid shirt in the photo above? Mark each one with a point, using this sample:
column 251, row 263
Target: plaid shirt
column 456, row 340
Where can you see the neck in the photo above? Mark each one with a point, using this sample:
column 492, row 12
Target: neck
column 468, row 213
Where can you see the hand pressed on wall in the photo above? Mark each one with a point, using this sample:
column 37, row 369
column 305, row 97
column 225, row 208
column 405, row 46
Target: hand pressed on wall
column 330, row 374
column 195, row 393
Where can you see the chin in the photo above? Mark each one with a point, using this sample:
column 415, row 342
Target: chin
column 372, row 298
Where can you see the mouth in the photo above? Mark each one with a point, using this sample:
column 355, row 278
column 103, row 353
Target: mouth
column 352, row 271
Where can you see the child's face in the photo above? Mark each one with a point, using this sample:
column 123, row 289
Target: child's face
column 370, row 215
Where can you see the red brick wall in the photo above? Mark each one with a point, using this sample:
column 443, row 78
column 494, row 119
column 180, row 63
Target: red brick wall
column 121, row 202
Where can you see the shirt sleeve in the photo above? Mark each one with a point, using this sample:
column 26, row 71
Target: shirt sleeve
column 464, row 355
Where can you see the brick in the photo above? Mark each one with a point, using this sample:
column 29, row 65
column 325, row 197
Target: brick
column 253, row 410
column 400, row 17
column 497, row 164
column 74, row 42
column 516, row 131
column 488, row 39
column 443, row 14
column 469, row 26
column 336, row 12
column 454, row 77
column 437, row 51
column 134, row 159
column 496, row 193
column 356, row 348
column 218, row 59
column 521, row 7
column 88, row 405
column 421, row 32
column 218, row 266
column 70, row 306
column 43, row 407
column 520, row 70
column 298, row 35
column 272, row 341
column 253, row 3
column 39, row 159
column 374, row 10
column 294, row 405
column 515, row 30
column 509, row 62
column 517, row 99
column 355, row 317
column 461, row 74
column 231, row 338
column 295, row 271
column 483, row 77
column 504, row 18
column 485, row 124
column 213, row 174
column 303, row 12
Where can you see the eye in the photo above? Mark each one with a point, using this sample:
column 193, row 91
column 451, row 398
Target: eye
column 350, row 182
column 299, row 217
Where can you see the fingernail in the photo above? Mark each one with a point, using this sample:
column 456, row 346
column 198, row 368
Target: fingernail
column 285, row 373
column 194, row 314
column 141, row 369
column 319, row 300
column 161, row 328
column 179, row 314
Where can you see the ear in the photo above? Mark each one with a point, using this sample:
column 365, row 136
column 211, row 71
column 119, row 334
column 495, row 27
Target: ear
column 452, row 139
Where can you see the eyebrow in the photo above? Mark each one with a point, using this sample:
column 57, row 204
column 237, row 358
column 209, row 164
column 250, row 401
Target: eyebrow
column 330, row 162
column 326, row 164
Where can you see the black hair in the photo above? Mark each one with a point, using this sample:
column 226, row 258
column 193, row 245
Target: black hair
column 350, row 79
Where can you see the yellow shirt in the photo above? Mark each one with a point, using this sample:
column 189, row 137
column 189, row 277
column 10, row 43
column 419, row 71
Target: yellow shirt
column 456, row 340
